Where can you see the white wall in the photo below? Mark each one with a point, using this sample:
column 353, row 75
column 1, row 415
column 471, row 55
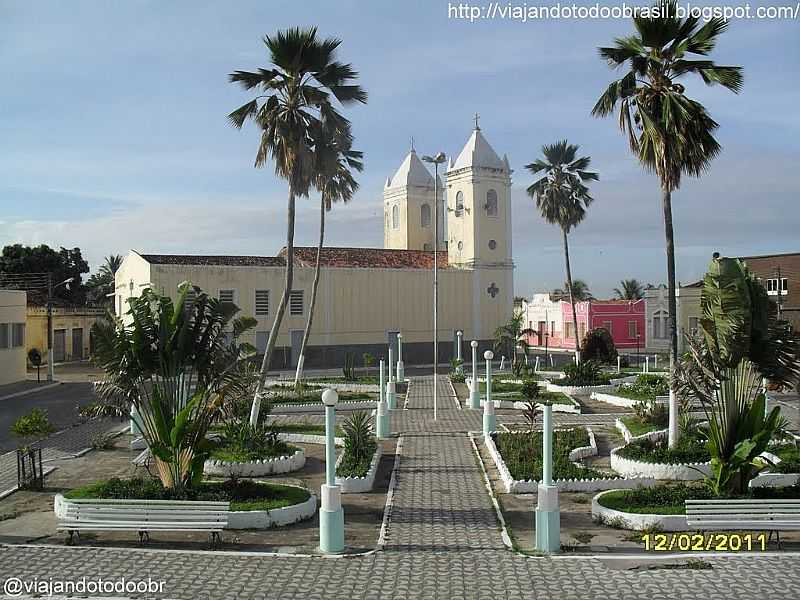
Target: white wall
column 12, row 351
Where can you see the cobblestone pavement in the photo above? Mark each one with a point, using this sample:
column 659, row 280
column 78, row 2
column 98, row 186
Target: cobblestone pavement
column 443, row 541
column 63, row 444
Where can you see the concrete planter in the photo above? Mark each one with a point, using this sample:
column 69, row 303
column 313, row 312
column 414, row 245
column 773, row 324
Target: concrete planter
column 259, row 468
column 339, row 387
column 519, row 405
column 635, row 521
column 614, row 400
column 277, row 517
column 578, row 389
column 677, row 472
column 628, row 436
column 359, row 485
column 318, row 407
column 307, row 438
column 774, row 480
column 530, row 486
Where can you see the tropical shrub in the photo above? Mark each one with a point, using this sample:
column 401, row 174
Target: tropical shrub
column 741, row 341
column 359, row 445
column 529, row 389
column 457, row 371
column 241, row 442
column 598, row 345
column 35, row 424
column 349, row 367
column 650, row 411
column 175, row 364
column 646, row 387
column 584, row 373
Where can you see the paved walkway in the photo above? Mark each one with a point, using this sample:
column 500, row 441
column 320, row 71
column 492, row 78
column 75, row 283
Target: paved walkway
column 443, row 541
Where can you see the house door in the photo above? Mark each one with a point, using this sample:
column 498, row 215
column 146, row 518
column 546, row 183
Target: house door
column 77, row 344
column 297, row 341
column 59, row 345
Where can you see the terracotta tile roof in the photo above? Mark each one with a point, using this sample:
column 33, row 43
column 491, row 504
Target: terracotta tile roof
column 366, row 258
column 224, row 261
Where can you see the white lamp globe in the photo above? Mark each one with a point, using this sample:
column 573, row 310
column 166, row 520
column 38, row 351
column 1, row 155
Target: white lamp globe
column 330, row 397
column 474, row 344
column 488, row 355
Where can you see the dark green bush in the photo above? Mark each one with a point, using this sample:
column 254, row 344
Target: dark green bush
column 529, row 389
column 33, row 425
column 598, row 345
column 359, row 446
column 660, row 499
column 241, row 442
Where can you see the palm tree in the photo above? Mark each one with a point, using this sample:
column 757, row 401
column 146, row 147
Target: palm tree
column 671, row 134
column 334, row 180
column 562, row 198
column 631, row 290
column 101, row 284
column 295, row 100
column 511, row 334
column 580, row 290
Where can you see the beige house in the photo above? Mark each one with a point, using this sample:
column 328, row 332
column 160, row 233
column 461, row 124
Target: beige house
column 72, row 326
column 687, row 300
column 367, row 295
column 12, row 336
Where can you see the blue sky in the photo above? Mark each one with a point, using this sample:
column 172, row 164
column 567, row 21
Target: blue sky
column 113, row 132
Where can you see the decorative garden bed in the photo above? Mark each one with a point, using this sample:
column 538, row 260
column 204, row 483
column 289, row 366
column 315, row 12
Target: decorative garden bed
column 579, row 479
column 628, row 435
column 562, row 403
column 254, row 504
column 257, row 468
column 629, row 466
column 609, row 398
column 358, row 485
column 636, row 521
column 310, row 407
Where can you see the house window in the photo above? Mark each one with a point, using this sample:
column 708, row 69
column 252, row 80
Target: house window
column 568, row 330
column 227, row 296
column 262, row 303
column 492, row 244
column 4, row 341
column 459, row 204
column 296, row 302
column 660, row 325
column 607, row 326
column 772, row 286
column 425, row 215
column 491, row 203
column 582, row 330
column 633, row 330
column 18, row 335
column 395, row 217
column 552, row 327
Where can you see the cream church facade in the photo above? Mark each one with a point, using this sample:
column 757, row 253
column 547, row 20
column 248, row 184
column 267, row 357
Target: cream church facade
column 367, row 295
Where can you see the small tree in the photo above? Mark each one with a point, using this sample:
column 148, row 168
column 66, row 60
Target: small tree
column 598, row 345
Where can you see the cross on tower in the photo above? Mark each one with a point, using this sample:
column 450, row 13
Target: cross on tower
column 493, row 290
column 477, row 116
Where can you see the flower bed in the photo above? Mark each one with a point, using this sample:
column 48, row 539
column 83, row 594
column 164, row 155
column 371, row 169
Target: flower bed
column 560, row 402
column 518, row 460
column 624, row 519
column 633, row 427
column 356, row 484
column 293, row 460
column 648, row 456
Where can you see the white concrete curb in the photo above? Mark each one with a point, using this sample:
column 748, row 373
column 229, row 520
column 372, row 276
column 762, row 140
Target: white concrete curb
column 359, row 485
column 308, row 407
column 277, row 517
column 614, row 399
column 307, row 438
column 578, row 389
column 40, row 388
column 675, row 472
column 339, row 387
column 635, row 521
column 257, row 468
column 774, row 480
column 628, row 436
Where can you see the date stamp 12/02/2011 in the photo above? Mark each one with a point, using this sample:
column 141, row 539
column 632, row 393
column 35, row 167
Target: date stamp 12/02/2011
column 698, row 542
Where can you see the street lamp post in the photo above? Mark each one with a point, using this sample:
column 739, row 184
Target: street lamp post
column 489, row 419
column 382, row 421
column 548, row 516
column 436, row 160
column 459, row 333
column 391, row 389
column 331, row 515
column 474, row 395
column 400, row 374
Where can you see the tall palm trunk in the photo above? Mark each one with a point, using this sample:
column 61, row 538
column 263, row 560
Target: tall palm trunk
column 299, row 373
column 571, row 298
column 276, row 325
column 666, row 203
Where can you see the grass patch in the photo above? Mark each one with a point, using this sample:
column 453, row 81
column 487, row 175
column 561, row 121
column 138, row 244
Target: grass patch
column 638, row 426
column 243, row 494
column 522, row 453
column 790, row 458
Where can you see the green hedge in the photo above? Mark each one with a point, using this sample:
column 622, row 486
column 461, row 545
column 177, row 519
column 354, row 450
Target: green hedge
column 243, row 494
column 689, row 449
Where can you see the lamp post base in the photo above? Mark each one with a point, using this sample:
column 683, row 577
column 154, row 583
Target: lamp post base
column 400, row 374
column 391, row 395
column 548, row 520
column 489, row 422
column 331, row 520
column 382, row 428
column 474, row 398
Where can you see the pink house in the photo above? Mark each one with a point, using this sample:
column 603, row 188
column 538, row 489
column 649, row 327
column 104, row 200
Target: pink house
column 624, row 319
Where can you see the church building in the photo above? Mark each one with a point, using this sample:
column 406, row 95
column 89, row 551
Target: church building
column 367, row 295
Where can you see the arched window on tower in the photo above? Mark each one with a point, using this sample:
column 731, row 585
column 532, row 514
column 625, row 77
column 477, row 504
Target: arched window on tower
column 395, row 217
column 425, row 215
column 459, row 204
column 491, row 203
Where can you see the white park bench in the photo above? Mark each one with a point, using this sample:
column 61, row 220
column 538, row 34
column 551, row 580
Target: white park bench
column 744, row 515
column 142, row 516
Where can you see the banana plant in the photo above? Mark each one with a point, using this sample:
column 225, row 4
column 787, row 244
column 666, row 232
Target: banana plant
column 177, row 365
